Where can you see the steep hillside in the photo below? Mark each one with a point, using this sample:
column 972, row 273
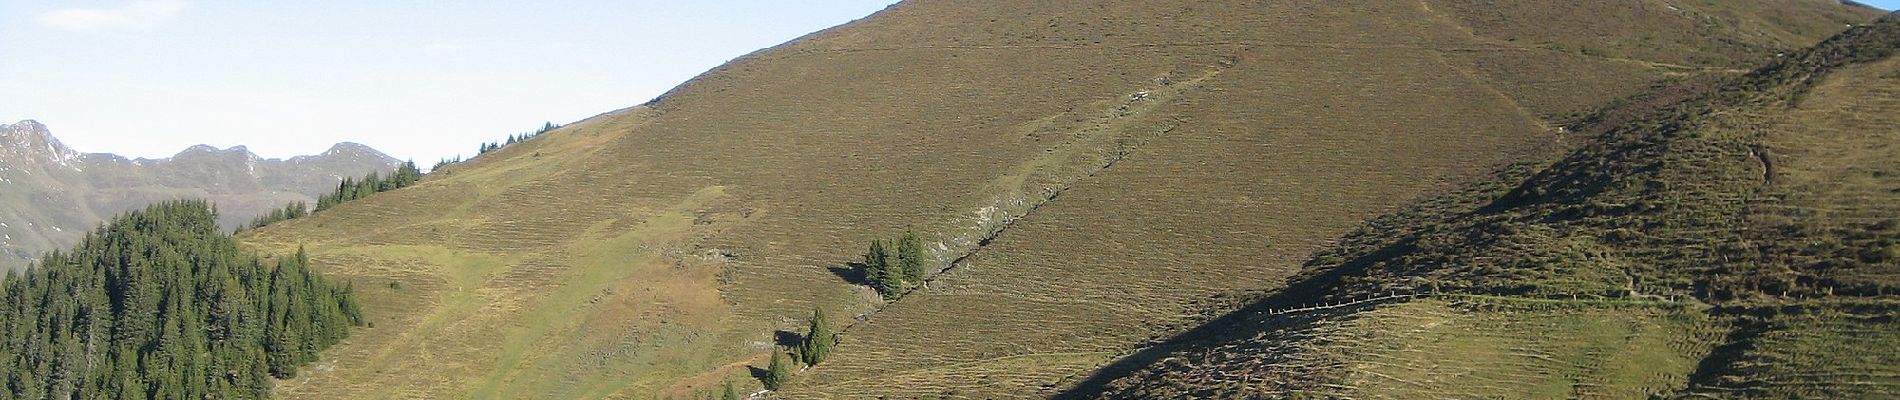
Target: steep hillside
column 54, row 194
column 1084, row 173
column 1744, row 242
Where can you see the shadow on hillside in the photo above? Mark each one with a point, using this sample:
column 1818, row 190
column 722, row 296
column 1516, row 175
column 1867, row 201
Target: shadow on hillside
column 851, row 272
column 788, row 339
column 1239, row 324
column 1725, row 356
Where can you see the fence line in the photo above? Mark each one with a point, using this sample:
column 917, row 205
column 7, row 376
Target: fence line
column 1329, row 306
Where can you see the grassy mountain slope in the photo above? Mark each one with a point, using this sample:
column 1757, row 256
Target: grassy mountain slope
column 1096, row 167
column 1737, row 243
column 1254, row 178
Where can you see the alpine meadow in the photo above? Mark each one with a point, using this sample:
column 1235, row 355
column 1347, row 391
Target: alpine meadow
column 1076, row 199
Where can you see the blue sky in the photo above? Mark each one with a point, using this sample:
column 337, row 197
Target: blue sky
column 417, row 79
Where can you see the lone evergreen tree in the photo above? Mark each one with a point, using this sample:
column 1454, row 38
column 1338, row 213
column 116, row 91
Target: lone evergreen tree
column 777, row 372
column 818, row 339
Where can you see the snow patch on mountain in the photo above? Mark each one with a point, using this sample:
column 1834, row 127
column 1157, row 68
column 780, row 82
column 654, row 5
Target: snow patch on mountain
column 29, row 140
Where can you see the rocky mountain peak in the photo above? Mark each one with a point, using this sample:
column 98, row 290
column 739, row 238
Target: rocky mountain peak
column 24, row 127
column 203, row 148
column 349, row 151
column 208, row 150
column 348, row 148
column 32, row 139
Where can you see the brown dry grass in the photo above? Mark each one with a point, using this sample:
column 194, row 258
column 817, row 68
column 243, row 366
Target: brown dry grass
column 1135, row 157
column 1751, row 218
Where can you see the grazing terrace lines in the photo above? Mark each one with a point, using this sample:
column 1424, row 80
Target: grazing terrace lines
column 1098, row 147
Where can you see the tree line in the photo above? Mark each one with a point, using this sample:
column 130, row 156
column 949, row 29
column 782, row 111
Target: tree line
column 517, row 138
column 487, row 147
column 405, row 175
column 294, row 210
column 349, row 189
column 161, row 304
column 352, row 189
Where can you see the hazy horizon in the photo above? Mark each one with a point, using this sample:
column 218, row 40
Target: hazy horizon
column 148, row 78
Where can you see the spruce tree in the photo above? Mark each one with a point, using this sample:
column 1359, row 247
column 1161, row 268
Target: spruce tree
column 778, row 372
column 407, row 174
column 877, row 269
column 371, row 184
column 910, row 259
column 818, row 339
column 732, row 393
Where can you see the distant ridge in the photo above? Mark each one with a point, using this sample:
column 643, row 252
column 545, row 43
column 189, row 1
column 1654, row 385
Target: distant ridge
column 53, row 193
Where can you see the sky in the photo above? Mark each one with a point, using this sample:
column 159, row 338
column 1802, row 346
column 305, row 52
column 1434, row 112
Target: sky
column 420, row 80
column 416, row 79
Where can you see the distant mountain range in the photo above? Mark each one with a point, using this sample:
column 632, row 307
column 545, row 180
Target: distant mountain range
column 51, row 194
